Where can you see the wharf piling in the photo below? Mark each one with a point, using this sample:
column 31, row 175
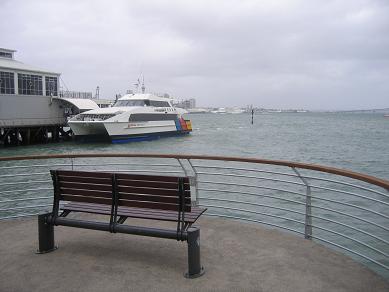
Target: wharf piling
column 33, row 135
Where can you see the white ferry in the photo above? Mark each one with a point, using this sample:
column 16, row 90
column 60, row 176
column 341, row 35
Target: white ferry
column 134, row 117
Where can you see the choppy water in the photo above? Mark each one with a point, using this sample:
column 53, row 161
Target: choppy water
column 359, row 142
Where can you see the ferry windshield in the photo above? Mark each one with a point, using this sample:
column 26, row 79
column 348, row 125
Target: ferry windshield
column 133, row 102
column 142, row 102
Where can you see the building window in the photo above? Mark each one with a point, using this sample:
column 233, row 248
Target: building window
column 7, row 84
column 6, row 55
column 30, row 84
column 51, row 86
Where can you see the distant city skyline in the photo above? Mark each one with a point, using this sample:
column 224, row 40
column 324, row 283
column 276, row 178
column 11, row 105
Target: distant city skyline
column 315, row 55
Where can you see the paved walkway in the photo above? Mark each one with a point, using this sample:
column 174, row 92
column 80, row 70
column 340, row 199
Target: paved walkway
column 236, row 256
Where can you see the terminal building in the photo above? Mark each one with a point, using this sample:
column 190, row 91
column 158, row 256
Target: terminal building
column 32, row 109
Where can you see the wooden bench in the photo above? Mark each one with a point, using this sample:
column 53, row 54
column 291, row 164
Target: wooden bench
column 122, row 196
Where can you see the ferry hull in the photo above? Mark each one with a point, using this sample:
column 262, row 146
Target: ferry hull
column 130, row 129
column 120, row 139
column 88, row 129
column 117, row 132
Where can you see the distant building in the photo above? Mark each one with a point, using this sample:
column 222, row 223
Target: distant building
column 186, row 104
column 192, row 103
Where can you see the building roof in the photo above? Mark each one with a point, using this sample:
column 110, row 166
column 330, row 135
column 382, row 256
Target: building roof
column 7, row 50
column 11, row 64
column 81, row 103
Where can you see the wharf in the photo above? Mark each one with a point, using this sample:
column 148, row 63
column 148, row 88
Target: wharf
column 236, row 256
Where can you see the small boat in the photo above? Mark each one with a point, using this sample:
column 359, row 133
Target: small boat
column 235, row 110
column 220, row 110
column 134, row 117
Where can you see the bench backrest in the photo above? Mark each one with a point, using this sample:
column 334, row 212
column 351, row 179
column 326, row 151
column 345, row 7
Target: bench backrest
column 132, row 190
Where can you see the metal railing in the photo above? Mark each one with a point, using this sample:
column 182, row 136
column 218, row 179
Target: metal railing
column 345, row 210
column 75, row 94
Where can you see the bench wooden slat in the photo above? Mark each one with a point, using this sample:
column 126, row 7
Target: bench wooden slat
column 145, row 177
column 151, row 191
column 80, row 179
column 86, row 186
column 150, row 184
column 130, row 179
column 89, row 174
column 152, row 198
column 86, row 199
column 86, row 193
column 152, row 205
column 124, row 176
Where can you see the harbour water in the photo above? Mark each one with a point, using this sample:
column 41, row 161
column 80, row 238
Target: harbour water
column 358, row 142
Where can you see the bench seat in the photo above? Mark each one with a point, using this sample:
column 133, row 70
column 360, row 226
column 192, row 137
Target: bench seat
column 142, row 213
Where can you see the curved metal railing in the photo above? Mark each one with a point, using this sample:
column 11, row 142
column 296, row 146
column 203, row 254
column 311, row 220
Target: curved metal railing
column 342, row 209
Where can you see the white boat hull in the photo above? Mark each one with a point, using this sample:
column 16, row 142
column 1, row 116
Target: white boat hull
column 128, row 129
column 124, row 131
column 89, row 128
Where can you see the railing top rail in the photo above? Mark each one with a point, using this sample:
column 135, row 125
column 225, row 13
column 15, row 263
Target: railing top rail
column 332, row 170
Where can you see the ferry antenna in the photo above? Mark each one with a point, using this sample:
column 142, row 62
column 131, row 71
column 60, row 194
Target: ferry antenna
column 143, row 84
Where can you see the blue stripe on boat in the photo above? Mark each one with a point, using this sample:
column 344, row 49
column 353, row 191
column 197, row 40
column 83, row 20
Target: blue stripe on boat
column 148, row 137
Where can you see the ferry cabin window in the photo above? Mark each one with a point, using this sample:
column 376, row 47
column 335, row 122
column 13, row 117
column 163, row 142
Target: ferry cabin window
column 132, row 102
column 152, row 117
column 30, row 84
column 6, row 55
column 51, row 86
column 157, row 103
column 7, row 84
column 135, row 102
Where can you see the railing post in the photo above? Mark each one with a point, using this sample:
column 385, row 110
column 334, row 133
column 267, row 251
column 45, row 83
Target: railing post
column 182, row 166
column 196, row 183
column 308, row 214
column 193, row 179
column 308, row 208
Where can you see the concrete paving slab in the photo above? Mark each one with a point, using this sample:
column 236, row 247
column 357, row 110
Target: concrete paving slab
column 237, row 257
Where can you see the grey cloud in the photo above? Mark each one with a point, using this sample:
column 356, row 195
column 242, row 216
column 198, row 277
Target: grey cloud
column 311, row 54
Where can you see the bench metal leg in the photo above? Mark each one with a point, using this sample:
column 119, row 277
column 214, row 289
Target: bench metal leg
column 195, row 269
column 65, row 213
column 46, row 234
column 122, row 219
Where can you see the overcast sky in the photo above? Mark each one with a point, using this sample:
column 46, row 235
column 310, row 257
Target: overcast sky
column 273, row 54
